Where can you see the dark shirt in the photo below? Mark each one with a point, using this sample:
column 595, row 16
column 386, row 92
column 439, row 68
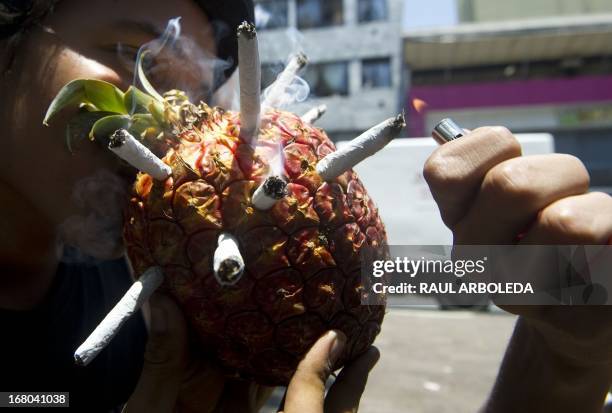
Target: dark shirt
column 37, row 346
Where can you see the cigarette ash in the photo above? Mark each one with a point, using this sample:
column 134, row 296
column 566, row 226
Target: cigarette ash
column 275, row 187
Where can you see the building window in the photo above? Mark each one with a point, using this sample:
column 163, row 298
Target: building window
column 376, row 73
column 328, row 79
column 271, row 14
column 319, row 13
column 372, row 10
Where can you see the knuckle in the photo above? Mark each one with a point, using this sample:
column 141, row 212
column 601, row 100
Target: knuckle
column 511, row 181
column 504, row 139
column 440, row 172
column 582, row 174
column 565, row 221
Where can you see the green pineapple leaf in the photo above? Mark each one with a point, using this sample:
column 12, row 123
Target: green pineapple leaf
column 136, row 101
column 98, row 94
column 141, row 123
column 79, row 126
column 142, row 77
column 105, row 127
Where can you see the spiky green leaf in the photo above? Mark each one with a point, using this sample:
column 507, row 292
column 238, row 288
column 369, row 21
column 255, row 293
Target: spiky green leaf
column 136, row 101
column 79, row 126
column 102, row 95
column 106, row 126
column 142, row 77
column 141, row 122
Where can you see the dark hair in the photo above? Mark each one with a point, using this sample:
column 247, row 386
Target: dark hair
column 226, row 16
column 17, row 15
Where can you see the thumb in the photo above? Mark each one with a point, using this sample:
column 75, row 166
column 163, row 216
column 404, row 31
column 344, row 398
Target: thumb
column 306, row 390
column 165, row 359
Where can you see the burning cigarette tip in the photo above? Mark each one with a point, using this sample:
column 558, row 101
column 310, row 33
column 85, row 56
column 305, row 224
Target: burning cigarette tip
column 400, row 121
column 228, row 263
column 301, row 59
column 314, row 114
column 131, row 302
column 118, row 138
column 275, row 187
column 247, row 29
column 360, row 148
column 269, row 193
column 128, row 148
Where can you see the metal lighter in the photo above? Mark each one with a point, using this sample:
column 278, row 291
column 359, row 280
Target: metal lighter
column 447, row 130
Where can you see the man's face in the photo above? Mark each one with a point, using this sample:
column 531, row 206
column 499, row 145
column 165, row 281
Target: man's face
column 101, row 39
column 90, row 39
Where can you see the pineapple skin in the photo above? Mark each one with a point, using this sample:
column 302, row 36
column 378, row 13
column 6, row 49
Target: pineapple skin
column 303, row 266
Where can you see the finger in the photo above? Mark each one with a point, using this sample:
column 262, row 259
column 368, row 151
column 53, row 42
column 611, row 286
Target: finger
column 201, row 388
column 455, row 170
column 241, row 396
column 164, row 359
column 578, row 220
column 345, row 394
column 513, row 192
column 307, row 387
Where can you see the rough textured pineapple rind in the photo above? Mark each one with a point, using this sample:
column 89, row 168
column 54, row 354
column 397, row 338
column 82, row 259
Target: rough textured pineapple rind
column 302, row 257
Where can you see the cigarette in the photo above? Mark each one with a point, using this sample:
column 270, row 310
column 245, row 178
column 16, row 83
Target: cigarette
column 314, row 114
column 128, row 148
column 131, row 302
column 284, row 80
column 250, row 80
column 228, row 263
column 447, row 130
column 269, row 193
column 360, row 148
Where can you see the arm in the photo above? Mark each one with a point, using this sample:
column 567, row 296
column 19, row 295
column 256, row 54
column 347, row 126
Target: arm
column 534, row 379
column 560, row 357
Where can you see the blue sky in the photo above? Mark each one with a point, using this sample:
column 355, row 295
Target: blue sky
column 429, row 13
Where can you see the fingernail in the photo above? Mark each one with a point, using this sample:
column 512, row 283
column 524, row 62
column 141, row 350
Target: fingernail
column 159, row 318
column 338, row 340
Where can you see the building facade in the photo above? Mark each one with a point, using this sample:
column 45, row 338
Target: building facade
column 488, row 10
column 549, row 73
column 354, row 51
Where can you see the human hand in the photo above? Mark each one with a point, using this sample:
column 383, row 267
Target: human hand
column 306, row 391
column 489, row 194
column 175, row 379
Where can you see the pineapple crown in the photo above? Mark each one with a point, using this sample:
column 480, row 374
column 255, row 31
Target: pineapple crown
column 104, row 109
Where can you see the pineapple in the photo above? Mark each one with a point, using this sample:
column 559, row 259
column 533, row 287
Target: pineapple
column 302, row 257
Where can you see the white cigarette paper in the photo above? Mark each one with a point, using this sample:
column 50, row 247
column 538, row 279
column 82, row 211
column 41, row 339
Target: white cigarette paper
column 269, row 193
column 250, row 80
column 275, row 94
column 314, row 114
column 128, row 148
column 131, row 302
column 360, row 148
column 228, row 263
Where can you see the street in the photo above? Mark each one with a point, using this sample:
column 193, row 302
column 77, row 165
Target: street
column 434, row 361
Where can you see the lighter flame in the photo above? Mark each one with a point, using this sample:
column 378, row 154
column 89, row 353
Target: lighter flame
column 419, row 105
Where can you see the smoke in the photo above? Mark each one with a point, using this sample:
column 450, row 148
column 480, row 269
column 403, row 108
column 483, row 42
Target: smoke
column 292, row 92
column 294, row 89
column 175, row 61
column 96, row 230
